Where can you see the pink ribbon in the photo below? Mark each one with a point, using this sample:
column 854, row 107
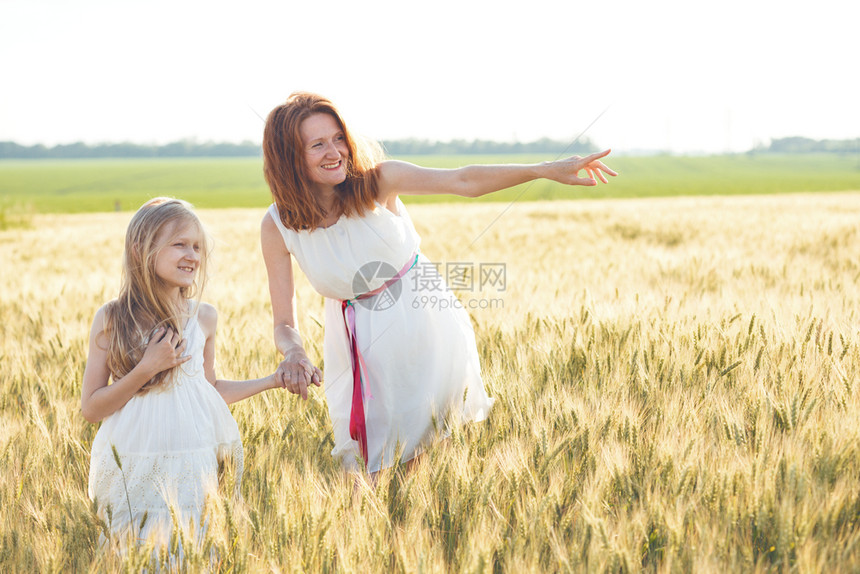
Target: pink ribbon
column 357, row 424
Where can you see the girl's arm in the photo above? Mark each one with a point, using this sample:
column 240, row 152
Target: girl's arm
column 230, row 391
column 296, row 372
column 98, row 398
column 398, row 177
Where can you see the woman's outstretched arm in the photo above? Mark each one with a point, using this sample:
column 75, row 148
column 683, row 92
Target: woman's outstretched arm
column 398, row 177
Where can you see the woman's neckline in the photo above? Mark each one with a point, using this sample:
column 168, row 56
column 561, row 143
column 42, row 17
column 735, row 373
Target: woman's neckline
column 330, row 225
column 343, row 216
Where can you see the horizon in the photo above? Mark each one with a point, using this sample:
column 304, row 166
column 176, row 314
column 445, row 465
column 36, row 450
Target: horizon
column 615, row 152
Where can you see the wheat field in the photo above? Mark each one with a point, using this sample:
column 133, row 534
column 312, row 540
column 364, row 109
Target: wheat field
column 675, row 381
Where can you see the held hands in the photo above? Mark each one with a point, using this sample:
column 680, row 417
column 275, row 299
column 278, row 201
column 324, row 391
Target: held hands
column 567, row 170
column 296, row 373
column 164, row 351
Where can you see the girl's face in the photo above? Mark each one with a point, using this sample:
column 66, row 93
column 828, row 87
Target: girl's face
column 179, row 254
column 325, row 149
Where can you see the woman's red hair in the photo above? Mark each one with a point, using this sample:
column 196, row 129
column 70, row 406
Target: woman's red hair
column 286, row 174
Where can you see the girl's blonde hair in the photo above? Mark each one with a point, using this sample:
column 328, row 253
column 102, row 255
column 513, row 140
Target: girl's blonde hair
column 142, row 306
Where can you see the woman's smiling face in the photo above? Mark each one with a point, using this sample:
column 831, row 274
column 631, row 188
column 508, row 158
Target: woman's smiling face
column 325, row 148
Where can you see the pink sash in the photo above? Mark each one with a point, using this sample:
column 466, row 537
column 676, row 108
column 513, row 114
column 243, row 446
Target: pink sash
column 357, row 425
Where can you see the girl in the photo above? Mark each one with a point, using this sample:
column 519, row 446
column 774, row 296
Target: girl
column 166, row 425
column 396, row 367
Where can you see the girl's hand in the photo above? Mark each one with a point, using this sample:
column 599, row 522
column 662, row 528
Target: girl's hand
column 567, row 170
column 164, row 351
column 296, row 373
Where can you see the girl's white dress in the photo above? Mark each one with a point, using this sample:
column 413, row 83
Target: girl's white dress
column 417, row 342
column 169, row 442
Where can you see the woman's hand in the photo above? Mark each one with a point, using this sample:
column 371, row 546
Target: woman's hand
column 296, row 373
column 567, row 170
column 164, row 351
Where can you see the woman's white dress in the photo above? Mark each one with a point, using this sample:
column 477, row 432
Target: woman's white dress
column 169, row 442
column 419, row 351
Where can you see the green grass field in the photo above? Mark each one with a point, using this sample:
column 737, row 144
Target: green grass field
column 77, row 186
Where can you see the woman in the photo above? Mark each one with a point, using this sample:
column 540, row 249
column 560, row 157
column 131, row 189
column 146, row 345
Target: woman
column 396, row 369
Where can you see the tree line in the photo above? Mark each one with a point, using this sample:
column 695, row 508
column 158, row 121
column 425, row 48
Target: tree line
column 487, row 147
column 185, row 148
column 80, row 150
column 807, row 145
column 188, row 148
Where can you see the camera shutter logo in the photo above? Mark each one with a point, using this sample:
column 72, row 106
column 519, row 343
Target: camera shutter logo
column 369, row 277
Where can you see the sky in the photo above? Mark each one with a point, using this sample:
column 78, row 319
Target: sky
column 670, row 75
